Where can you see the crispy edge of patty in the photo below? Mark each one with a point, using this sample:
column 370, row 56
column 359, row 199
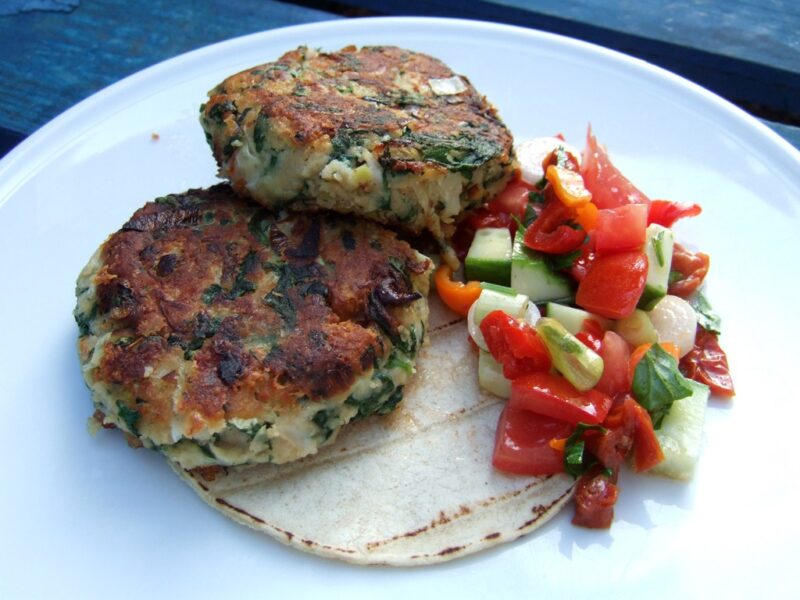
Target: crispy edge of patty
column 141, row 332
column 418, row 158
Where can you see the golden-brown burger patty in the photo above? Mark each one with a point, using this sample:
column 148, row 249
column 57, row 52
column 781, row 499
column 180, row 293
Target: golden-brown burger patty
column 383, row 132
column 218, row 332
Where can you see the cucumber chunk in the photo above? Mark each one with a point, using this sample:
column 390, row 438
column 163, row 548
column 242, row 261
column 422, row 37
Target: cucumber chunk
column 581, row 366
column 658, row 247
column 572, row 318
column 681, row 433
column 489, row 256
column 530, row 275
column 490, row 376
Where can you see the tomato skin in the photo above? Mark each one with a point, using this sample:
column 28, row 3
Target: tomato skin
column 553, row 396
column 609, row 187
column 666, row 212
column 512, row 200
column 613, row 284
column 693, row 267
column 583, row 263
column 591, row 334
column 708, row 364
column 621, row 228
column 628, row 428
column 522, row 443
column 613, row 447
column 595, row 497
column 551, row 233
column 647, row 451
column 589, row 340
column 514, row 345
column 616, row 355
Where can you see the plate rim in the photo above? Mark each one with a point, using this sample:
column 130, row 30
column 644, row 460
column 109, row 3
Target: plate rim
column 22, row 162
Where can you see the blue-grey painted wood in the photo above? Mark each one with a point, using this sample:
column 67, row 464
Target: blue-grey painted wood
column 746, row 68
column 52, row 60
column 760, row 31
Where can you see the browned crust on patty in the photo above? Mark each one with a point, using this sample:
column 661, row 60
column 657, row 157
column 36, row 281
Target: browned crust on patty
column 313, row 98
column 265, row 310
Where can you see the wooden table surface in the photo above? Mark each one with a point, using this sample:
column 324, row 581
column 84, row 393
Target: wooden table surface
column 58, row 52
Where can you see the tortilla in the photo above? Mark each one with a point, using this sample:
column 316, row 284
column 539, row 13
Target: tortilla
column 415, row 487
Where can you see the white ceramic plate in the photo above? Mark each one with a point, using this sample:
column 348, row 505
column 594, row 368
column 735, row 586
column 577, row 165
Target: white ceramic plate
column 89, row 517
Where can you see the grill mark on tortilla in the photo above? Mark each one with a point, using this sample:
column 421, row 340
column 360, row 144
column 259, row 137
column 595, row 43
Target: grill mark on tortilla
column 451, row 550
column 491, row 536
column 239, row 510
column 443, row 519
column 448, row 325
column 541, row 510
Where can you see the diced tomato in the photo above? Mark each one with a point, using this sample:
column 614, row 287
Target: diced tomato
column 647, row 451
column 553, row 396
column 514, row 345
column 581, row 265
column 665, row 212
column 522, row 443
column 615, row 353
column 589, row 340
column 553, row 231
column 628, row 427
column 512, row 200
column 609, row 187
column 595, row 497
column 621, row 228
column 613, row 447
column 693, row 268
column 613, row 284
column 591, row 334
column 708, row 364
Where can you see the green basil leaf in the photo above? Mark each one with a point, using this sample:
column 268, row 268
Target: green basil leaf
column 575, row 463
column 706, row 317
column 657, row 383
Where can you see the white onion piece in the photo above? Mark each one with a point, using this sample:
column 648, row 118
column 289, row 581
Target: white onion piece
column 675, row 321
column 448, row 87
column 532, row 314
column 474, row 329
column 531, row 153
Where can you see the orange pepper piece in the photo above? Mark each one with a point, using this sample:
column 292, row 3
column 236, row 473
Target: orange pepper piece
column 586, row 216
column 568, row 186
column 456, row 295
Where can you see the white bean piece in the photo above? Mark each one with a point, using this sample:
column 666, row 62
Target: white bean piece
column 675, row 321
